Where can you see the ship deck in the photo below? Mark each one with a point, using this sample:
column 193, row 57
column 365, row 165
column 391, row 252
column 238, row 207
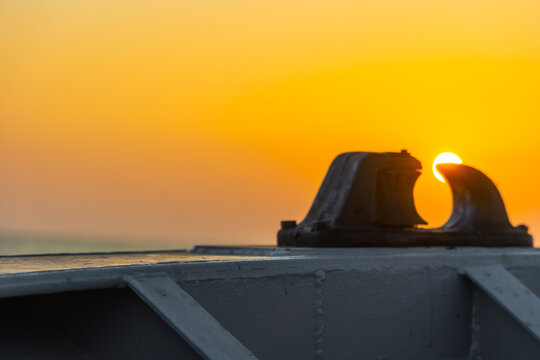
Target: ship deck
column 269, row 303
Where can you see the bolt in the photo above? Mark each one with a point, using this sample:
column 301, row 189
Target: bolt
column 288, row 224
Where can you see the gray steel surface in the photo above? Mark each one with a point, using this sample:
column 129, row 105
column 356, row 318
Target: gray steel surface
column 188, row 318
column 509, row 293
column 278, row 303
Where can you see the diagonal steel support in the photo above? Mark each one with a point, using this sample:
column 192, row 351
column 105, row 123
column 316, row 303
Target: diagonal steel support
column 510, row 294
column 188, row 318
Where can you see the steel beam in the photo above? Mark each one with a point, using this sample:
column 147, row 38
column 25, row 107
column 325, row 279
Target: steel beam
column 188, row 318
column 510, row 294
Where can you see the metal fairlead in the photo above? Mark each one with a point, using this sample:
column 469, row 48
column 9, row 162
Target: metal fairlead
column 366, row 200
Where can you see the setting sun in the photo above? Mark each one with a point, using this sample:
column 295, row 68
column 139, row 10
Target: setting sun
column 444, row 158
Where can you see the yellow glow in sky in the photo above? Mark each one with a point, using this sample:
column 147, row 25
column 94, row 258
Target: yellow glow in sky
column 209, row 122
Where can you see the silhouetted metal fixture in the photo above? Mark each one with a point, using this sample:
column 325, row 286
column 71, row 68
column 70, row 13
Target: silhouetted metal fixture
column 366, row 199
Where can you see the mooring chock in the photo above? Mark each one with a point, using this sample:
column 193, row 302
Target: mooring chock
column 366, row 200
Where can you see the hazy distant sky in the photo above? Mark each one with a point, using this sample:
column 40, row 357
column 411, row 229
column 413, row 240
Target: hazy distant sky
column 210, row 121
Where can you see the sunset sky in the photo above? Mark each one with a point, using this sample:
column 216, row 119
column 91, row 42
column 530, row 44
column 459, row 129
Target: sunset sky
column 210, row 121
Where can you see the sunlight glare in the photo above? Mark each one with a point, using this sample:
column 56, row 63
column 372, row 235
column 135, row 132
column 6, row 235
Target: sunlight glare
column 444, row 158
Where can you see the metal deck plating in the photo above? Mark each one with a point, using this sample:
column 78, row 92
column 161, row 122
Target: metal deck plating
column 273, row 303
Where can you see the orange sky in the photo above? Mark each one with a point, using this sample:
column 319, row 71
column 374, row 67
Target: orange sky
column 210, row 121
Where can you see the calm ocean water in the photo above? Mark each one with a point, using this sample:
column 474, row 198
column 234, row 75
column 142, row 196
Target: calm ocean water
column 16, row 244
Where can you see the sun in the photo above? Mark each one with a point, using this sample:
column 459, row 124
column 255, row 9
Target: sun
column 444, row 158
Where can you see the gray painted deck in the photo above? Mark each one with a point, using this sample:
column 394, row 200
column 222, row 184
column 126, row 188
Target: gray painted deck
column 416, row 303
